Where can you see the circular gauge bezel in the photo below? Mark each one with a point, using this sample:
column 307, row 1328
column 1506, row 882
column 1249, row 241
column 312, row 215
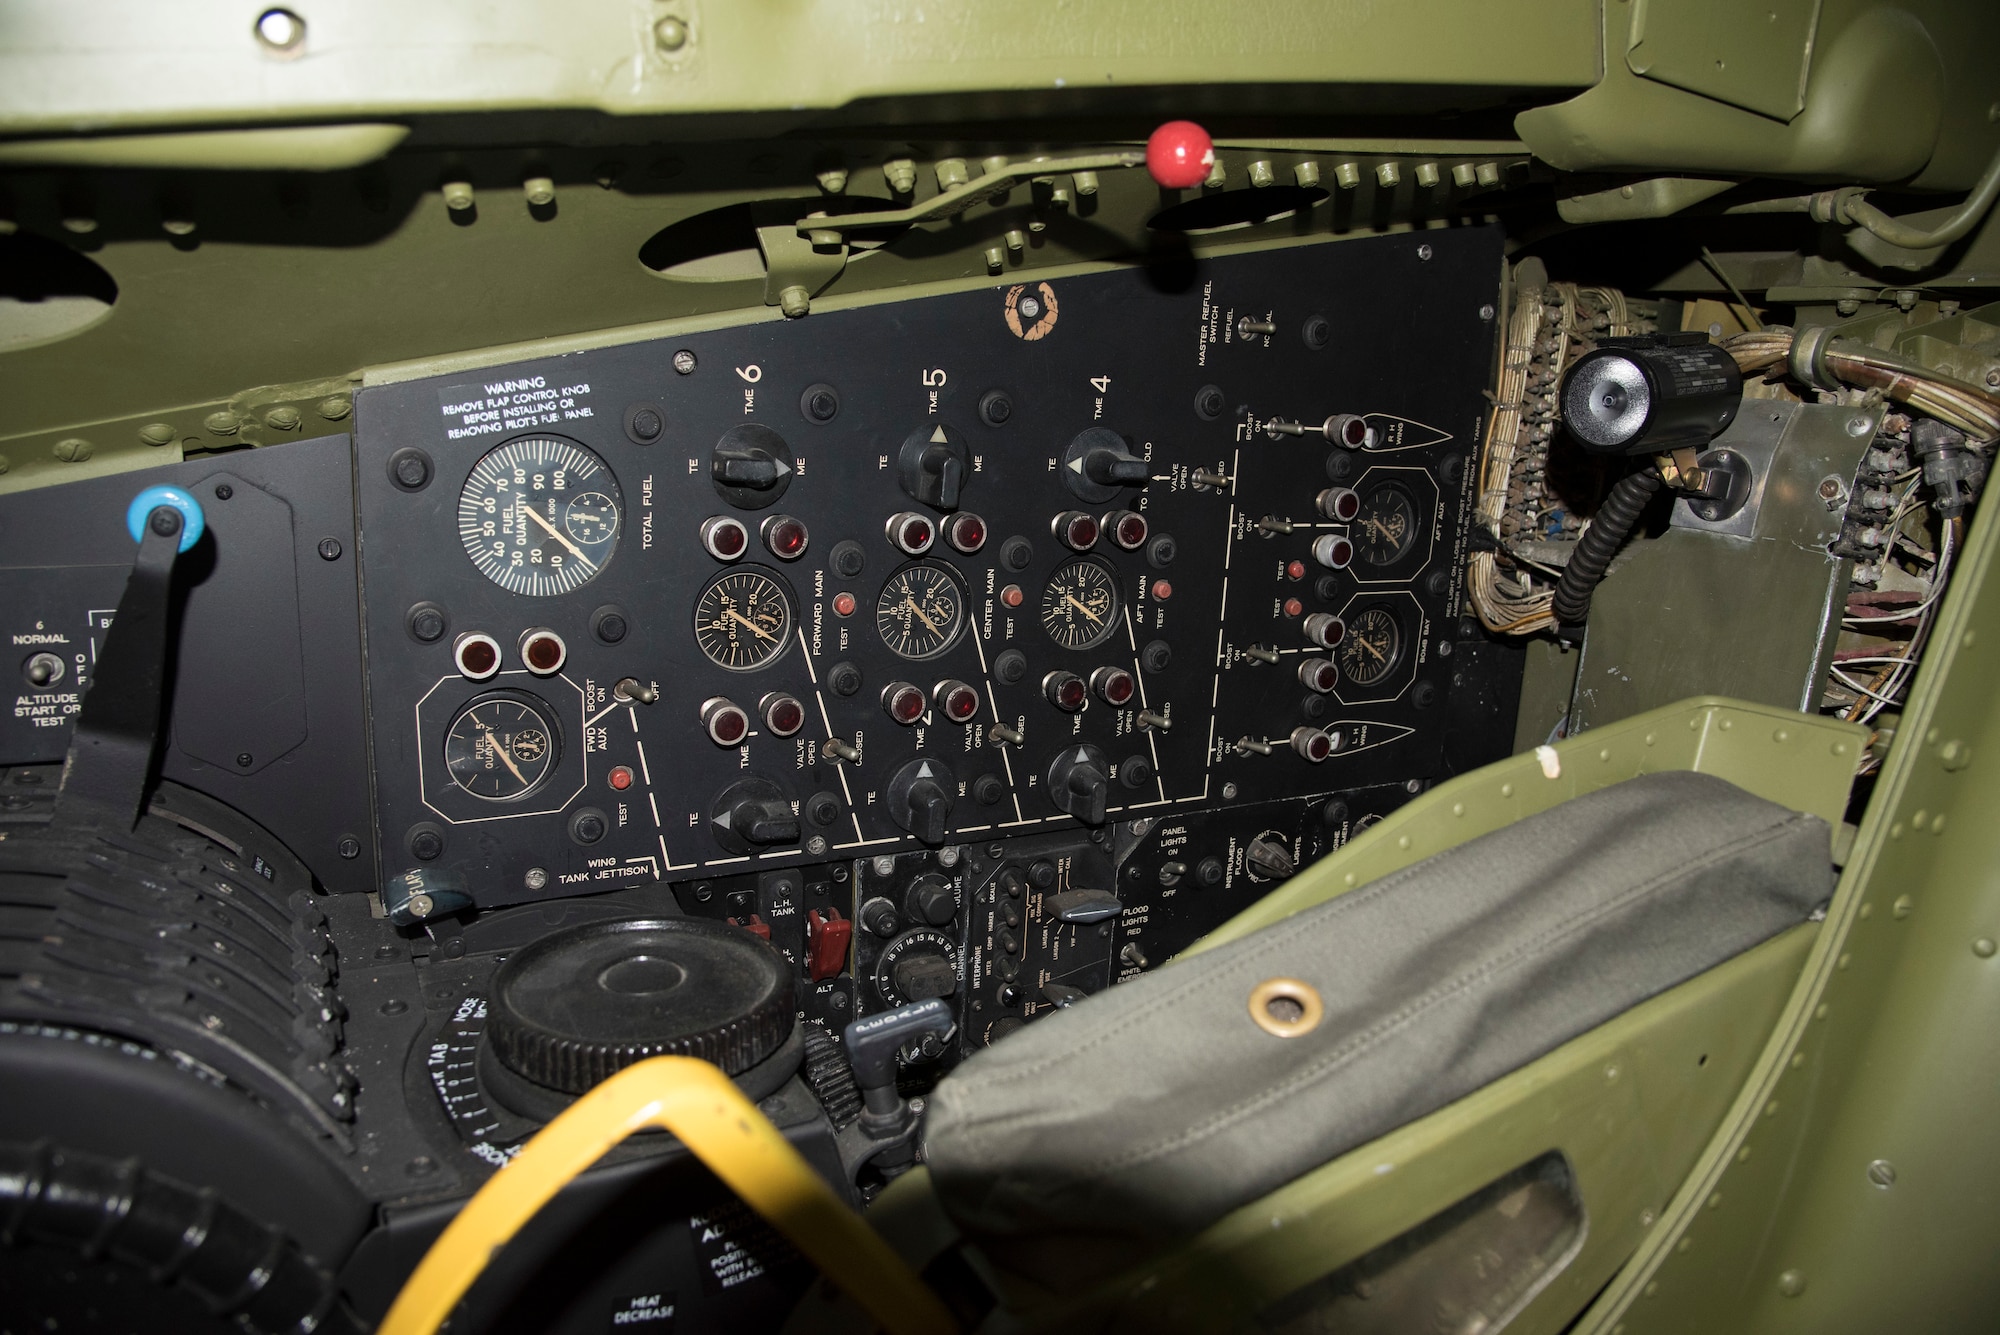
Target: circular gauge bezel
column 502, row 538
column 1051, row 609
column 532, row 707
column 737, row 577
column 1354, row 643
column 1363, row 549
column 899, row 635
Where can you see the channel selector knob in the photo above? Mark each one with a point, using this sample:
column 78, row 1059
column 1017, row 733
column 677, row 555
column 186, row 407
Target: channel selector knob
column 1080, row 783
column 920, row 799
column 1325, row 629
column 920, row 964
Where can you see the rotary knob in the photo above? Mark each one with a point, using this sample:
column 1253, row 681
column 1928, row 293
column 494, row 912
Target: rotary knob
column 933, row 466
column 929, row 899
column 1099, row 465
column 753, row 813
column 583, row 1003
column 751, row 466
column 1080, row 783
column 920, row 798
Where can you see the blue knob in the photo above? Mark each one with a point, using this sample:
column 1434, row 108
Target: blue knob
column 151, row 499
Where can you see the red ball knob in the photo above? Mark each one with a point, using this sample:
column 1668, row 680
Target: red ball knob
column 1179, row 155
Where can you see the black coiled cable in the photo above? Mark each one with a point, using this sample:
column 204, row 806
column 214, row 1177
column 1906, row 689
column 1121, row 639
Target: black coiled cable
column 173, row 1233
column 1607, row 533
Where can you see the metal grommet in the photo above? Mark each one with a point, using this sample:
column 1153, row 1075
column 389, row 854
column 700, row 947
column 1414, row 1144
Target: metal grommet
column 1807, row 362
column 1286, row 1007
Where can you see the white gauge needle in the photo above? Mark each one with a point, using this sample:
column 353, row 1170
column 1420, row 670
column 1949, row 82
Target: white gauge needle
column 554, row 532
column 1081, row 608
column 501, row 751
column 753, row 625
column 911, row 603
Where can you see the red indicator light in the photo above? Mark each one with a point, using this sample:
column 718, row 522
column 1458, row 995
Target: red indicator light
column 1317, row 674
column 478, row 655
column 1066, row 691
column 725, row 721
column 1296, row 570
column 1162, row 590
column 1312, row 743
column 1114, row 686
column 904, row 702
column 843, row 604
column 724, row 537
column 911, row 533
column 1011, row 595
column 1179, row 155
column 1127, row 528
column 783, row 714
column 956, row 700
column 1075, row 530
column 543, row 651
column 1293, row 607
column 966, row 532
column 785, row 536
column 620, row 777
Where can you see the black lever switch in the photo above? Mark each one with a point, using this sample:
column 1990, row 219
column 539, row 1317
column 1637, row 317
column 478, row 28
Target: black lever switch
column 920, row 799
column 1080, row 783
column 933, row 465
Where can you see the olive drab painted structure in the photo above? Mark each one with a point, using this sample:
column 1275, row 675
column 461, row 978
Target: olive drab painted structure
column 999, row 667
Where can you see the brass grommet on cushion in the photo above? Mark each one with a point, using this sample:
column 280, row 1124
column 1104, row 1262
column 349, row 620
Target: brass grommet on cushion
column 1286, row 1007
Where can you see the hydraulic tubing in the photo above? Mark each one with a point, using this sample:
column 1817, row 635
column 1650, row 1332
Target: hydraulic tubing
column 1600, row 542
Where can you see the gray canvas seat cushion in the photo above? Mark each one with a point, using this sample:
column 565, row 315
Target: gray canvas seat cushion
column 1152, row 1109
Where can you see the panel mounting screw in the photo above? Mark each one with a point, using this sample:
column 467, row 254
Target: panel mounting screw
column 671, row 33
column 349, row 847
column 1424, row 252
column 684, row 362
column 329, row 549
column 1882, row 1173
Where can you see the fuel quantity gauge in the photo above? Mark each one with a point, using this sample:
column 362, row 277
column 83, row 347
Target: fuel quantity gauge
column 503, row 746
column 743, row 619
column 921, row 612
column 1080, row 605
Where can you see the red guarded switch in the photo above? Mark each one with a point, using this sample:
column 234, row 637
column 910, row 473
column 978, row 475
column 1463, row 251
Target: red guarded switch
column 1179, row 155
column 756, row 926
column 827, row 938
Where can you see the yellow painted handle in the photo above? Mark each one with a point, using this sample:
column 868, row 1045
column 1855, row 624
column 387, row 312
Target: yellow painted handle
column 701, row 1106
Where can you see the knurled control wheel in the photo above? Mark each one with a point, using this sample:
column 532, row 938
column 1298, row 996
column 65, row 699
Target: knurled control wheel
column 584, row 1003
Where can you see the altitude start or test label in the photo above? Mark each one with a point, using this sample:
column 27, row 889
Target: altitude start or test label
column 496, row 407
